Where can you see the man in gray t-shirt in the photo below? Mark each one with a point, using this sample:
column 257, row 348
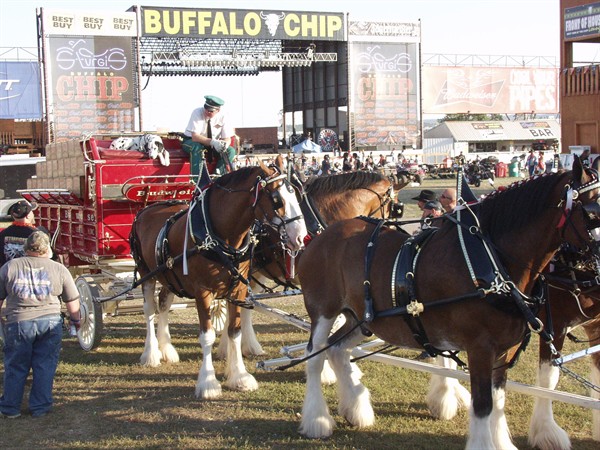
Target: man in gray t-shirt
column 32, row 286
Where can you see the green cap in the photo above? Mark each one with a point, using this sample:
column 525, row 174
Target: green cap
column 213, row 101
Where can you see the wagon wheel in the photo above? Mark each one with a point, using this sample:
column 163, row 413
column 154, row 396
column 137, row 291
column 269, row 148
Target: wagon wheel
column 218, row 314
column 91, row 314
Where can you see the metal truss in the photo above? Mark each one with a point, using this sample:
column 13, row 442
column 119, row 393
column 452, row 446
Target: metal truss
column 224, row 56
column 172, row 56
column 18, row 54
column 434, row 59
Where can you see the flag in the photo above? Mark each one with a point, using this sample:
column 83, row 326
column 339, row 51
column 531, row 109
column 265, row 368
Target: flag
column 462, row 188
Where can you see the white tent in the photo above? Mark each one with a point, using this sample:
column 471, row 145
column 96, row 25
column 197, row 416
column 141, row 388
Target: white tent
column 307, row 146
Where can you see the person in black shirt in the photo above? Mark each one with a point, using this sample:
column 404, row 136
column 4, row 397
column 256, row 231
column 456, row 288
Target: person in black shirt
column 12, row 239
column 326, row 166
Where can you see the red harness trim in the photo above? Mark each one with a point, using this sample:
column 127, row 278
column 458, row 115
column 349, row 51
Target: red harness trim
column 563, row 218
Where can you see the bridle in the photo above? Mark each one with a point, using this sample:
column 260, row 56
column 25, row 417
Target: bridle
column 384, row 200
column 591, row 211
column 279, row 180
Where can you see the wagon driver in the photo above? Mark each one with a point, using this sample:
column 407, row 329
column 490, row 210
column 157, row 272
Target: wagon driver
column 208, row 136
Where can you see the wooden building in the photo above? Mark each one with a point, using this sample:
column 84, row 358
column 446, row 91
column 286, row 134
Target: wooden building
column 579, row 76
column 22, row 137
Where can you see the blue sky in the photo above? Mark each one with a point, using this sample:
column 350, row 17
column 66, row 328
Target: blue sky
column 466, row 27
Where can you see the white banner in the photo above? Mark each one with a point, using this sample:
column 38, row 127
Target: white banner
column 490, row 89
column 89, row 23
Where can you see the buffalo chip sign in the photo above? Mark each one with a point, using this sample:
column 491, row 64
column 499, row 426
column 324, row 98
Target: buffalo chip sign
column 242, row 24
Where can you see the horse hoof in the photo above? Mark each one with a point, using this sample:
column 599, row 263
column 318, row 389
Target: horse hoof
column 169, row 354
column 359, row 412
column 549, row 436
column 327, row 374
column 242, row 383
column 253, row 351
column 319, row 428
column 150, row 359
column 207, row 393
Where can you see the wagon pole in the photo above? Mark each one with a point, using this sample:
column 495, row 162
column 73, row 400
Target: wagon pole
column 521, row 388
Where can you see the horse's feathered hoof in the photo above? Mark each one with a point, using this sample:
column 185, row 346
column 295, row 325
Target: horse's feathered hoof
column 169, row 354
column 150, row 359
column 547, row 435
column 327, row 374
column 319, row 428
column 208, row 393
column 243, row 383
column 358, row 412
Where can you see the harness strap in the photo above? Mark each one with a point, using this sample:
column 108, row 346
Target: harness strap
column 594, row 283
column 519, row 298
column 314, row 221
column 162, row 254
column 297, row 361
column 369, row 311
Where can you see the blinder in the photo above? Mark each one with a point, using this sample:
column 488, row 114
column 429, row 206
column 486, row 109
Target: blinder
column 397, row 210
column 276, row 199
column 591, row 211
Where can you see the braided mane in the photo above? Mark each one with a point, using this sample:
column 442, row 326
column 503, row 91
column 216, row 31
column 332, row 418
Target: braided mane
column 510, row 209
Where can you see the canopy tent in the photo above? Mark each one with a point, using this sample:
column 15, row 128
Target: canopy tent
column 307, row 146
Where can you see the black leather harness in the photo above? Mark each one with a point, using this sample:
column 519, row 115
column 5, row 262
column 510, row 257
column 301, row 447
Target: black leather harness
column 206, row 242
column 404, row 297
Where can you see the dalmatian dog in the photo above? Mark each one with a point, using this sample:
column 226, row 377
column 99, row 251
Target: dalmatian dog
column 150, row 144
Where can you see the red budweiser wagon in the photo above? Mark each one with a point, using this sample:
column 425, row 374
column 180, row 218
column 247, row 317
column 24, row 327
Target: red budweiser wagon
column 88, row 196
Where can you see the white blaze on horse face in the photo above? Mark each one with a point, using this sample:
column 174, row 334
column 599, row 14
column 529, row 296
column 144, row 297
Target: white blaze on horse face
column 296, row 229
column 595, row 234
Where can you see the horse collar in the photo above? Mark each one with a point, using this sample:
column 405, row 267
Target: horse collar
column 203, row 235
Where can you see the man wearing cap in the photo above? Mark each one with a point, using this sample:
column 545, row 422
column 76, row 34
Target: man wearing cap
column 432, row 209
column 33, row 287
column 13, row 238
column 425, row 196
column 208, row 132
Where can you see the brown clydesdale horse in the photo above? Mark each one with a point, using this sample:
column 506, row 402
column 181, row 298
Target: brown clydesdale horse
column 215, row 234
column 574, row 301
column 574, row 297
column 323, row 200
column 445, row 304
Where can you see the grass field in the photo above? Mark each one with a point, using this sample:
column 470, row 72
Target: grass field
column 105, row 399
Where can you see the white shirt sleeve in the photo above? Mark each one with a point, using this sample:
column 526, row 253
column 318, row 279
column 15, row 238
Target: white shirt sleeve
column 196, row 124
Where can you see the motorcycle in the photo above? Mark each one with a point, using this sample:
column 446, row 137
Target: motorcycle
column 476, row 171
column 410, row 173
